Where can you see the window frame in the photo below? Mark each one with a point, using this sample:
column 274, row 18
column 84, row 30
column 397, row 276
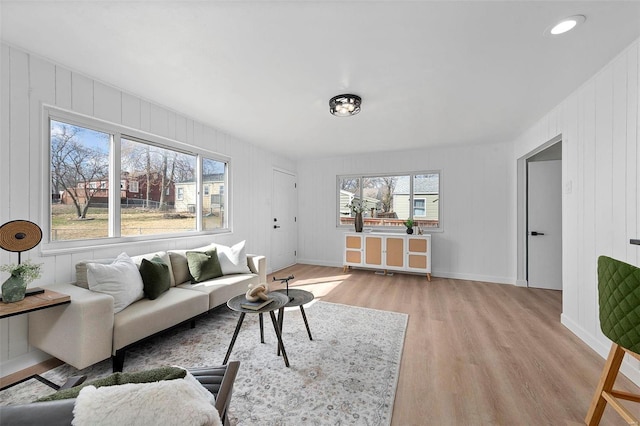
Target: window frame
column 411, row 175
column 118, row 132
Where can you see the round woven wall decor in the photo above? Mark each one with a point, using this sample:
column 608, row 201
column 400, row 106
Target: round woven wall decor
column 19, row 235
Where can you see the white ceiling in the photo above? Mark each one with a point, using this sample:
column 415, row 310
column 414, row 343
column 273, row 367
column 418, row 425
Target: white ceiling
column 430, row 73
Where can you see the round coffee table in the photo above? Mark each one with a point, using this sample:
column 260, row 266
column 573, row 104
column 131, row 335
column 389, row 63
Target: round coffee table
column 279, row 302
column 297, row 297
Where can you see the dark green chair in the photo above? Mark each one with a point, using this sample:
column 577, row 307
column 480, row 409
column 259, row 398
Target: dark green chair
column 619, row 297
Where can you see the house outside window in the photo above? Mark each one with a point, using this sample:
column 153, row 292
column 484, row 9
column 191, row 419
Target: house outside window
column 180, row 195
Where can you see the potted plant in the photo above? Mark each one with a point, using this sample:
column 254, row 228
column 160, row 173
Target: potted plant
column 357, row 207
column 22, row 274
column 409, row 224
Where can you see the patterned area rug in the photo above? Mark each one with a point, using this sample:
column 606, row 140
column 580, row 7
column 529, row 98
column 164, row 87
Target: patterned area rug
column 346, row 376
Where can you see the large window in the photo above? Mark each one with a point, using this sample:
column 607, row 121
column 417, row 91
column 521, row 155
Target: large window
column 157, row 192
column 389, row 200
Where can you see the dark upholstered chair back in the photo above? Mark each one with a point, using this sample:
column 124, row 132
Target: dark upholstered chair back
column 619, row 296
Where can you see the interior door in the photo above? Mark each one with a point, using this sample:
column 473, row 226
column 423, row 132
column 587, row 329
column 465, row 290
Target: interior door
column 284, row 220
column 544, row 220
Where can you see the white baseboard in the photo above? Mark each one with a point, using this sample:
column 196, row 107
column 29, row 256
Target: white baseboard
column 19, row 363
column 629, row 366
column 441, row 274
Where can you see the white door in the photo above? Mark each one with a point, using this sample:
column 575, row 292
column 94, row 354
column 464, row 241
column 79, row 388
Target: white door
column 284, row 221
column 544, row 219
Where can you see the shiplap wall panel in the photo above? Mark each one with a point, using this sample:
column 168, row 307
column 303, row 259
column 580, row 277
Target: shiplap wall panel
column 599, row 125
column 107, row 103
column 63, row 88
column 604, row 158
column 27, row 83
column 181, row 129
column 5, row 152
column 631, row 157
column 19, row 122
column 42, row 80
column 81, row 94
column 570, row 201
column 130, row 111
column 619, row 163
column 5, row 148
column 145, row 116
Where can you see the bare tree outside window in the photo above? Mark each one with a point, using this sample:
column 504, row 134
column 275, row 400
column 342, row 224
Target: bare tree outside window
column 79, row 173
column 157, row 171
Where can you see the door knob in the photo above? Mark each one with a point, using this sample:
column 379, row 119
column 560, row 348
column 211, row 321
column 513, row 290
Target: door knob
column 276, row 226
column 534, row 233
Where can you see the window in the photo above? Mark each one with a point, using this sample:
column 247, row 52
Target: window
column 214, row 175
column 152, row 171
column 79, row 161
column 156, row 169
column 389, row 200
column 133, row 186
column 419, row 207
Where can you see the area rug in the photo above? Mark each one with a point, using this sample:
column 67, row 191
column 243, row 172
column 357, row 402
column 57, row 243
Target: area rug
column 347, row 375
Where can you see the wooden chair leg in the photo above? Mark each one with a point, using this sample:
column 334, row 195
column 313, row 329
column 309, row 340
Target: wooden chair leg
column 607, row 380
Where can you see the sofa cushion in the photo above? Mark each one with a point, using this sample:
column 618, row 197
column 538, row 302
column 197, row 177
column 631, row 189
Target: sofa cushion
column 162, row 255
column 147, row 317
column 155, row 277
column 233, row 260
column 203, row 265
column 179, row 264
column 81, row 270
column 224, row 288
column 120, row 279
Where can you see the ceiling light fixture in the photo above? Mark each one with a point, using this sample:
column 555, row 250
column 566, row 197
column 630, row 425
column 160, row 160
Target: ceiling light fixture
column 345, row 105
column 565, row 25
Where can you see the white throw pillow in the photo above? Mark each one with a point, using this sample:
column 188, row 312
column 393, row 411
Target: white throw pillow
column 144, row 404
column 233, row 260
column 121, row 279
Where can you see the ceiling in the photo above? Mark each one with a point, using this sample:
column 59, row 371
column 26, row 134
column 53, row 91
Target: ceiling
column 430, row 73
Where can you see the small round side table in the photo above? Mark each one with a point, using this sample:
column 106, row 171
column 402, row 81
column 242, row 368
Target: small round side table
column 279, row 302
column 297, row 297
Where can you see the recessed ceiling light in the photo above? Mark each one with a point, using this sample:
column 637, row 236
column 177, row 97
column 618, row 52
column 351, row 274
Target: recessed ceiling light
column 567, row 24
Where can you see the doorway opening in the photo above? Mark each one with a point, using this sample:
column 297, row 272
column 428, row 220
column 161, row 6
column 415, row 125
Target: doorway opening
column 540, row 217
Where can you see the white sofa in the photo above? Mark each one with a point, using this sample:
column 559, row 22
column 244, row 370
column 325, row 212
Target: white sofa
column 87, row 330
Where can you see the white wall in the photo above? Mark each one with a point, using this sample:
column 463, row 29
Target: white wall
column 478, row 240
column 27, row 82
column 601, row 207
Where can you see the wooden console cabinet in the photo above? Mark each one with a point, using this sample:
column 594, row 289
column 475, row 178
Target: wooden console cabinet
column 388, row 252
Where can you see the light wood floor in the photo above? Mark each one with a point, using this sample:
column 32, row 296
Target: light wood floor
column 475, row 353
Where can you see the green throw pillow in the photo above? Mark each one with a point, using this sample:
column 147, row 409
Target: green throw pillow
column 203, row 266
column 155, row 277
column 147, row 376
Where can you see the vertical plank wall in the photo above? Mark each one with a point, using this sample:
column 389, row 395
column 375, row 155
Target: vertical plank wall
column 478, row 237
column 601, row 207
column 28, row 82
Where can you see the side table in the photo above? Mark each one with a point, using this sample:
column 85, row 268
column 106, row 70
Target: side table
column 279, row 301
column 297, row 297
column 31, row 303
